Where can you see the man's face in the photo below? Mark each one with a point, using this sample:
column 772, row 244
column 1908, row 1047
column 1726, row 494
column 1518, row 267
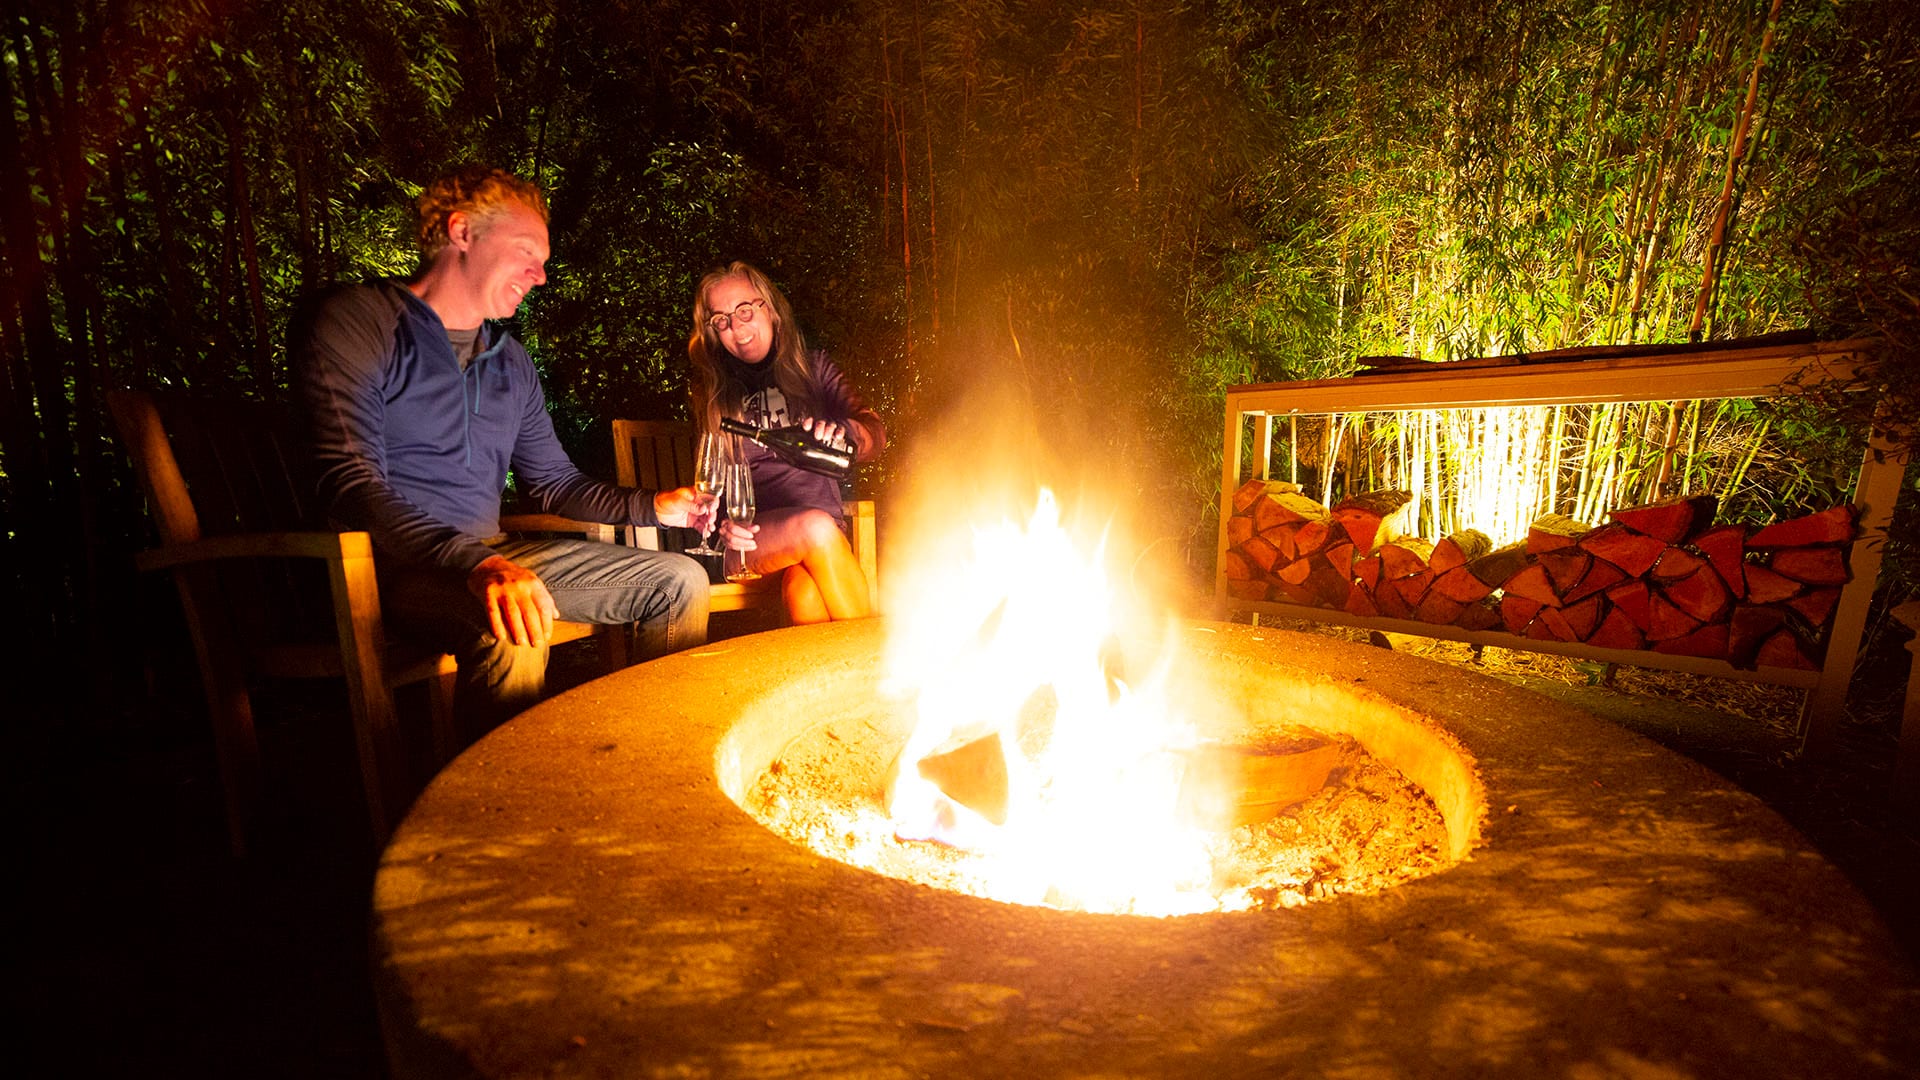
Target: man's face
column 505, row 257
column 749, row 333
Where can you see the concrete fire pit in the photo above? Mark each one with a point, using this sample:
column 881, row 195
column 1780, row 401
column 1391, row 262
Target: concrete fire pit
column 577, row 895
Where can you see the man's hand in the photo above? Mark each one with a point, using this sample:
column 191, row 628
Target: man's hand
column 685, row 508
column 519, row 605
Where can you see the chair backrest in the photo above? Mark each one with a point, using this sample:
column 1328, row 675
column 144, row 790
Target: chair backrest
column 653, row 454
column 214, row 466
column 222, row 466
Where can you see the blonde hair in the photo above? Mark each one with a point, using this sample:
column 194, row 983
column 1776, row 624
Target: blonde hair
column 476, row 190
column 714, row 394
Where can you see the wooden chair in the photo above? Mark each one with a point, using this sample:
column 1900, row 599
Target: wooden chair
column 269, row 592
column 658, row 455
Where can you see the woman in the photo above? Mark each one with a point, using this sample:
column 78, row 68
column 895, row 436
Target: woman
column 751, row 363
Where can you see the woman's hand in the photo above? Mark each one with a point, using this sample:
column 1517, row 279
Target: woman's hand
column 739, row 537
column 838, row 436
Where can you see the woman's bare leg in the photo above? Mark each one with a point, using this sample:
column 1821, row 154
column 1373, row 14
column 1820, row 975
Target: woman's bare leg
column 812, row 540
column 804, row 603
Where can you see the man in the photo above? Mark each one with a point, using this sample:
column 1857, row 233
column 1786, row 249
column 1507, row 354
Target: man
column 416, row 408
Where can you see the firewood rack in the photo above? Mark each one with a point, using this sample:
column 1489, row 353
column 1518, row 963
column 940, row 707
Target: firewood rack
column 1593, row 376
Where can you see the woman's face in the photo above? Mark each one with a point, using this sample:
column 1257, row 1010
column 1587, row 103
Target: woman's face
column 743, row 317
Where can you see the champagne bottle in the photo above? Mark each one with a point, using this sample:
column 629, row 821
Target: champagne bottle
column 795, row 447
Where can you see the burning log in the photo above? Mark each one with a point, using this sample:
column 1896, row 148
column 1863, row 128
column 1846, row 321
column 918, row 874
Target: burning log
column 1225, row 787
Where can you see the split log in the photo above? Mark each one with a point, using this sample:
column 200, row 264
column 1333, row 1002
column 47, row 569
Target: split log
column 1293, row 594
column 1551, row 532
column 1565, row 567
column 1616, row 631
column 1534, row 584
column 1702, row 595
column 1260, row 553
column 1723, row 545
column 1749, row 628
column 1295, row 572
column 1576, row 623
column 1670, row 521
column 1281, row 537
column 1329, row 586
column 1630, row 551
column 1247, row 590
column 1483, row 614
column 1405, row 556
column 1238, row 529
column 1370, row 517
column 1285, row 508
column 1766, row 587
column 1634, row 598
column 1459, row 549
column 1833, row 525
column 1391, row 602
column 1235, row 567
column 1412, row 588
column 1248, row 493
column 1816, row 606
column 1784, row 649
column 1540, row 630
column 1601, row 576
column 1497, row 567
column 1438, row 607
column 1460, row 584
column 1314, row 536
column 1367, row 572
column 1811, row 566
column 1665, row 621
column 1340, row 558
column 1517, row 612
column 1709, row 641
column 1676, row 563
column 1360, row 602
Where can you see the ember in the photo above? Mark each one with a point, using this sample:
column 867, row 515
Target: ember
column 1019, row 740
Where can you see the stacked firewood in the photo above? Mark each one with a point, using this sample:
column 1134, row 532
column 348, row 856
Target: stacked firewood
column 1662, row 576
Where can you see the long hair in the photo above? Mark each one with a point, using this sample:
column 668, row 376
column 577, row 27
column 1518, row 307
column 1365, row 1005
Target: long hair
column 714, row 393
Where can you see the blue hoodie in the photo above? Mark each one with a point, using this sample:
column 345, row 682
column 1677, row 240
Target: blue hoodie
column 415, row 450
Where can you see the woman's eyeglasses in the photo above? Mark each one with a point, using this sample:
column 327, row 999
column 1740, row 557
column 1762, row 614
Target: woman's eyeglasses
column 744, row 315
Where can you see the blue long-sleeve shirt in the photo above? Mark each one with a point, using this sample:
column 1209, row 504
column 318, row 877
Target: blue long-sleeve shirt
column 413, row 448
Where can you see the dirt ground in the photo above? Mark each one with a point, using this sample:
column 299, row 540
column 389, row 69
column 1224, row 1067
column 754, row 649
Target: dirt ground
column 141, row 948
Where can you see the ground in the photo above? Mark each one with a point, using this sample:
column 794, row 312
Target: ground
column 142, row 948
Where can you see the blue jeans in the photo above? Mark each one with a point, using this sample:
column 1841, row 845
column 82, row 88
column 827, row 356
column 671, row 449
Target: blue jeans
column 663, row 594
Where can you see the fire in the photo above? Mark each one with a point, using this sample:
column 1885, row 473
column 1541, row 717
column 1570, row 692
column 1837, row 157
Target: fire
column 1058, row 769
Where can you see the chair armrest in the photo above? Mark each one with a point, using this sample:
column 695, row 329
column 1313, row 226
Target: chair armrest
column 554, row 523
column 332, row 546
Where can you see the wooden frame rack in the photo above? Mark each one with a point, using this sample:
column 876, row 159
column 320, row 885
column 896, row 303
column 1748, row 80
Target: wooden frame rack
column 1740, row 370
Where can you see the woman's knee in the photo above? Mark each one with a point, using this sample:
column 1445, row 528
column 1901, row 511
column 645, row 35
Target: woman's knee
column 819, row 530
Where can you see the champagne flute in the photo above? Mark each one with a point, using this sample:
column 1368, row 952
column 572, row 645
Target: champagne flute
column 739, row 511
column 709, row 476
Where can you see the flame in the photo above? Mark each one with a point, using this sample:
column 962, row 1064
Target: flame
column 1018, row 641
